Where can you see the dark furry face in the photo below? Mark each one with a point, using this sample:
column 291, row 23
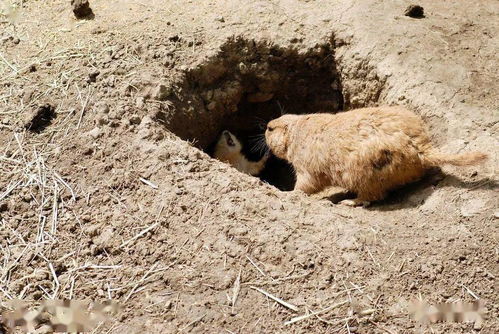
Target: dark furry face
column 277, row 134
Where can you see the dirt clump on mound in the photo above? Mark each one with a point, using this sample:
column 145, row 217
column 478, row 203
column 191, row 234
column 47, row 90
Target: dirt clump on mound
column 81, row 9
column 414, row 11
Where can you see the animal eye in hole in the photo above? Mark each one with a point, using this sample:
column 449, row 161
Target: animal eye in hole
column 269, row 128
column 228, row 139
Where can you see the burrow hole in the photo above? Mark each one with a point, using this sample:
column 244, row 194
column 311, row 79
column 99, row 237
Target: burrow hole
column 246, row 85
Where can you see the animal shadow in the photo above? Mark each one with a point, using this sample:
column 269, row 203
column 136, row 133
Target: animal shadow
column 415, row 194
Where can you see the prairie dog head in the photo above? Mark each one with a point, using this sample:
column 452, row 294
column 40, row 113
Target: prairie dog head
column 278, row 134
column 228, row 147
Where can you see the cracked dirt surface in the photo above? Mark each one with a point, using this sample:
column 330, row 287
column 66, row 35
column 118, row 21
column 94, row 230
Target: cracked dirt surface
column 79, row 194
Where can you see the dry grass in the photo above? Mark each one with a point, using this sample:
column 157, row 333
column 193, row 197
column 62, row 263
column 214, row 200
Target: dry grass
column 27, row 170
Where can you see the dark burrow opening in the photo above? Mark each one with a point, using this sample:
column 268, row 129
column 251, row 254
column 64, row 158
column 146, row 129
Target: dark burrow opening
column 245, row 85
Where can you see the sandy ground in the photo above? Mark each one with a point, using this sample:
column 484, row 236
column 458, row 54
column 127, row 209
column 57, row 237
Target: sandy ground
column 105, row 193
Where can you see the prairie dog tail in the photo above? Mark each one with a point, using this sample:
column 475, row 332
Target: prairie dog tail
column 435, row 159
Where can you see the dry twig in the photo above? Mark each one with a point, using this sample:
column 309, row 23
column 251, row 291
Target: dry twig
column 276, row 299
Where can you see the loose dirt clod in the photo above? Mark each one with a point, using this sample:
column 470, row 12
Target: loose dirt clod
column 92, row 76
column 414, row 11
column 161, row 92
column 40, row 118
column 81, row 9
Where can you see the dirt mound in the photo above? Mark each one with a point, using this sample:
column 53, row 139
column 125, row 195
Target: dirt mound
column 114, row 196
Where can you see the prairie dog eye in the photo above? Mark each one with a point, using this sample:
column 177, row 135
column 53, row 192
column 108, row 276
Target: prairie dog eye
column 270, row 128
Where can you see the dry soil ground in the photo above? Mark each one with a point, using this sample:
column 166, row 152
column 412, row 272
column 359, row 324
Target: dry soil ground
column 104, row 191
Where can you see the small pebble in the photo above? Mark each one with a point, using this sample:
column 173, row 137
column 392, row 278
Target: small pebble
column 103, row 108
column 103, row 120
column 161, row 92
column 135, row 119
column 92, row 76
column 140, row 102
column 95, row 133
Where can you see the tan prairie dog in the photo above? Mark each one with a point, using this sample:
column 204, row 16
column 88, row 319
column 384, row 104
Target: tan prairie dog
column 228, row 149
column 368, row 151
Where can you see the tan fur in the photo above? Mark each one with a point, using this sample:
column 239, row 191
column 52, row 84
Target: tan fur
column 368, row 151
column 233, row 156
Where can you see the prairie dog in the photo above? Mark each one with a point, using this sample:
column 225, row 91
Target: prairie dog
column 368, row 151
column 228, row 149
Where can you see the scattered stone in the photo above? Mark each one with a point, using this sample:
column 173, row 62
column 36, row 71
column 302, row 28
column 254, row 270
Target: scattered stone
column 105, row 238
column 163, row 155
column 415, row 11
column 174, row 38
column 92, row 230
column 87, row 151
column 135, row 119
column 37, row 295
column 158, row 136
column 81, row 9
column 478, row 324
column 40, row 118
column 162, row 92
column 220, row 19
column 4, row 207
column 114, row 124
column 140, row 102
column 92, row 76
column 95, row 133
column 103, row 108
column 102, row 120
